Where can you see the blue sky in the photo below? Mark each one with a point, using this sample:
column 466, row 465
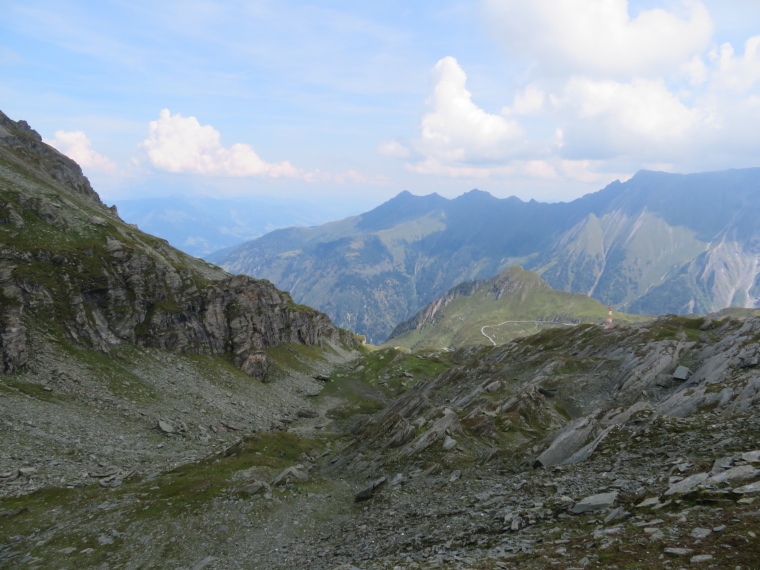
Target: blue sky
column 348, row 101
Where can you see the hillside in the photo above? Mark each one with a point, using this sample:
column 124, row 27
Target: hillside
column 103, row 325
column 658, row 243
column 583, row 447
column 494, row 311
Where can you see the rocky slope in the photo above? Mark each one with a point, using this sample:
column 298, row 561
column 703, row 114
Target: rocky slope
column 69, row 265
column 494, row 311
column 121, row 353
column 658, row 243
column 636, row 446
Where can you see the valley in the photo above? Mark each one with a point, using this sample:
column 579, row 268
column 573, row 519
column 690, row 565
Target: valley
column 159, row 412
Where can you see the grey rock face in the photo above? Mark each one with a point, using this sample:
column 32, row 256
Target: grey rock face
column 569, row 441
column 78, row 267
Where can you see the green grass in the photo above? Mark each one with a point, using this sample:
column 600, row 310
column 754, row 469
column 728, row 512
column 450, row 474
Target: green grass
column 461, row 321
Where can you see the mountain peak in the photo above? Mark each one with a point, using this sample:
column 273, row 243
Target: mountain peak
column 475, row 194
column 403, row 206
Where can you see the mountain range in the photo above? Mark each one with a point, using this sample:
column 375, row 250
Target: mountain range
column 158, row 412
column 657, row 243
column 200, row 225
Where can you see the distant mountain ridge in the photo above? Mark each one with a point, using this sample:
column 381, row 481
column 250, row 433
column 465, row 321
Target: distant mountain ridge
column 201, row 225
column 658, row 243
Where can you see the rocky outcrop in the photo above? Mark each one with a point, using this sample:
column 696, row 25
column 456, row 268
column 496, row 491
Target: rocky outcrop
column 32, row 154
column 70, row 265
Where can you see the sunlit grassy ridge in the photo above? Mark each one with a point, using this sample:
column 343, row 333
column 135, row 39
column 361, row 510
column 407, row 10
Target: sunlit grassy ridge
column 480, row 312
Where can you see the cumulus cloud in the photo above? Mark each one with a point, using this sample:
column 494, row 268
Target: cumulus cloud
column 605, row 118
column 78, row 147
column 181, row 144
column 456, row 129
column 529, row 101
column 597, row 92
column 594, row 37
column 456, row 136
column 738, row 73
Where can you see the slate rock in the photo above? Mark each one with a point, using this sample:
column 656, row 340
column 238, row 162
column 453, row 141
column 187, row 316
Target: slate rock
column 649, row 502
column 740, row 473
column 307, row 413
column 572, row 438
column 747, row 489
column 682, row 373
column 722, row 464
column 595, row 503
column 686, row 485
column 751, row 456
column 291, row 472
column 368, row 492
column 255, row 487
column 678, row 551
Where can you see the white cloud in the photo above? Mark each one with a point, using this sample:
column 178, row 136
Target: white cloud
column 588, row 171
column 605, row 118
column 78, row 148
column 738, row 73
column 181, row 144
column 599, row 37
column 456, row 130
column 529, row 101
column 525, row 168
column 696, row 71
column 393, row 148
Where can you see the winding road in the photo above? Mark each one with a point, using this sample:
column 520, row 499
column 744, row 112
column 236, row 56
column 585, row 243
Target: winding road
column 483, row 329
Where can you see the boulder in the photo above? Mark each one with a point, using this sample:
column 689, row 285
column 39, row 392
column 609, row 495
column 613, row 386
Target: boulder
column 369, row 492
column 686, row 485
column 295, row 472
column 595, row 503
column 681, row 373
column 255, row 487
column 449, row 443
column 571, row 439
column 747, row 489
column 739, row 473
column 751, row 456
column 307, row 413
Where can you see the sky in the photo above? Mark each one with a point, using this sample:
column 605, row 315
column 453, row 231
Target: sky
column 344, row 101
